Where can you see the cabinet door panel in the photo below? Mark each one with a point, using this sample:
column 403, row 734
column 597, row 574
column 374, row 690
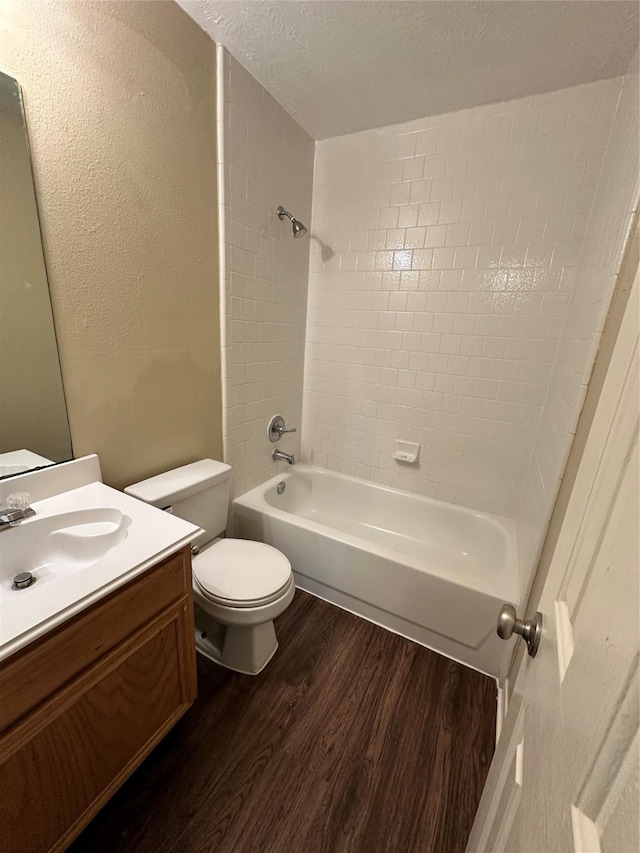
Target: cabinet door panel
column 83, row 744
column 33, row 674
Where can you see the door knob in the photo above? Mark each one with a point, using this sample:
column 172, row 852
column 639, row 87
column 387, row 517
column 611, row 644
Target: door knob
column 529, row 629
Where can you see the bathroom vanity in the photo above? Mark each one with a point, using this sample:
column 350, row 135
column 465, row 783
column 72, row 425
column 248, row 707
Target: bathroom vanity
column 85, row 704
column 102, row 663
column 82, row 706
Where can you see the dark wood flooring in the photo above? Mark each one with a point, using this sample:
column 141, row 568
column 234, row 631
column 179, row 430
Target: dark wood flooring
column 352, row 739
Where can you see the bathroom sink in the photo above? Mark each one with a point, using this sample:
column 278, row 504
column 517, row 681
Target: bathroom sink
column 85, row 541
column 55, row 546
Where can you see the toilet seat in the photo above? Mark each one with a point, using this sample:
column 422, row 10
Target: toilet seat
column 242, row 573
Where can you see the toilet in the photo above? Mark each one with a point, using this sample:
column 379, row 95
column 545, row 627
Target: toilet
column 239, row 586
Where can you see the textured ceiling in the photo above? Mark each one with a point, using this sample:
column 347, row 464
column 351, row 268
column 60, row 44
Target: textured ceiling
column 340, row 67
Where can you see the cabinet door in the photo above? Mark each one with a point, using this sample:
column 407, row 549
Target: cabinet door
column 35, row 673
column 63, row 761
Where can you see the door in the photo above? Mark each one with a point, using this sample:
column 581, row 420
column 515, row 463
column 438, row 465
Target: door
column 565, row 775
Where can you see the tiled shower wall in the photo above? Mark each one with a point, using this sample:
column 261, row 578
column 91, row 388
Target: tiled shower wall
column 612, row 214
column 267, row 161
column 444, row 252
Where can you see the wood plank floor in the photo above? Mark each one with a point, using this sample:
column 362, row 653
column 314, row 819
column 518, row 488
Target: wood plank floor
column 352, row 739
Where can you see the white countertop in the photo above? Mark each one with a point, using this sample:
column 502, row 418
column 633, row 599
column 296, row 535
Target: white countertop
column 151, row 536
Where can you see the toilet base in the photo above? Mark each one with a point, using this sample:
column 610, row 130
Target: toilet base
column 242, row 649
column 241, row 638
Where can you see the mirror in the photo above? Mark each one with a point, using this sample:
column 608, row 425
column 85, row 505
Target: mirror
column 34, row 428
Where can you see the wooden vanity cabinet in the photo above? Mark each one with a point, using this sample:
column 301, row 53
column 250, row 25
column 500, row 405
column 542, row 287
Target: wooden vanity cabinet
column 81, row 707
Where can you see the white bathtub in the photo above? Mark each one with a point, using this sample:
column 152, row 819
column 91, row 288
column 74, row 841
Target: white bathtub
column 434, row 572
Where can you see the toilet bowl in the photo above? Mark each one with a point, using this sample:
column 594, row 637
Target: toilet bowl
column 239, row 586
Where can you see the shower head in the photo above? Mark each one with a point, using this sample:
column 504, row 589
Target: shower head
column 299, row 229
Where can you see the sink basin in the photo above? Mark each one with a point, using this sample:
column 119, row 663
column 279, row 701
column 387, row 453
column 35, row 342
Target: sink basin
column 55, row 546
column 85, row 541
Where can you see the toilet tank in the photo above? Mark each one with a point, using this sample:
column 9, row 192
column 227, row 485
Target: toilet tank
column 198, row 492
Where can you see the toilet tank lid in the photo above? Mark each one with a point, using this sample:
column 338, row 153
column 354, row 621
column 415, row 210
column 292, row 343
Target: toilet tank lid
column 180, row 483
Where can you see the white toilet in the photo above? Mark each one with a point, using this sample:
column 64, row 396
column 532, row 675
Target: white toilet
column 239, row 586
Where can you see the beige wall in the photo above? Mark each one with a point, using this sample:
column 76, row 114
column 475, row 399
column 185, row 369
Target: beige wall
column 120, row 102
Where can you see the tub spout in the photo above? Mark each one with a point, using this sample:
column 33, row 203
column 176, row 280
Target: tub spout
column 286, row 457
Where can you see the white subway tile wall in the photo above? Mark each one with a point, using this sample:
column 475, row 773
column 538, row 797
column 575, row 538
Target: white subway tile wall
column 268, row 161
column 443, row 258
column 612, row 214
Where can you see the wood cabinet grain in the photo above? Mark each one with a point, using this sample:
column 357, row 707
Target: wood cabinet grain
column 104, row 689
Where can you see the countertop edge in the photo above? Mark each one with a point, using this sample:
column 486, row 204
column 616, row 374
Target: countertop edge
column 37, row 631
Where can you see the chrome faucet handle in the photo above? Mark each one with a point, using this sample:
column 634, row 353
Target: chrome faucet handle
column 277, row 429
column 17, row 509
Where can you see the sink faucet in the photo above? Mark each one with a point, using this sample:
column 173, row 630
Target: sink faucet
column 17, row 510
column 286, row 457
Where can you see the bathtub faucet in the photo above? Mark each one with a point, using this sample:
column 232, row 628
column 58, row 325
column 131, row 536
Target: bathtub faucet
column 286, row 457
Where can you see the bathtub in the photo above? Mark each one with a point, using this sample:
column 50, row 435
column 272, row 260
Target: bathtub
column 432, row 571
